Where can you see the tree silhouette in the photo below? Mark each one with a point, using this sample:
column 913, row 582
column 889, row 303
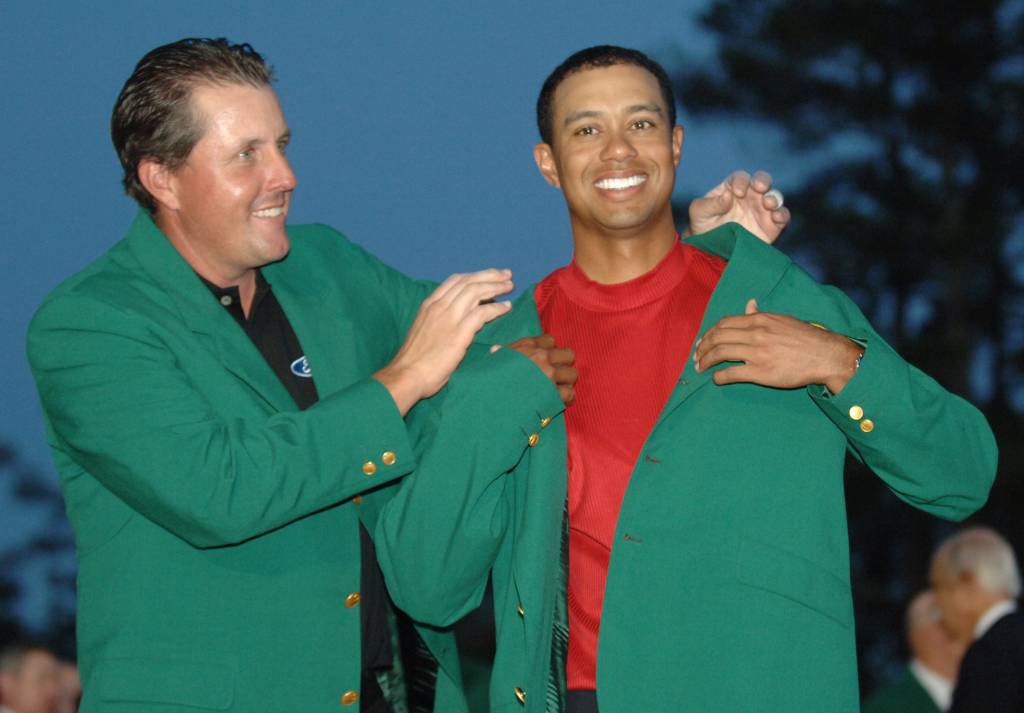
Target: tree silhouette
column 910, row 117
column 47, row 551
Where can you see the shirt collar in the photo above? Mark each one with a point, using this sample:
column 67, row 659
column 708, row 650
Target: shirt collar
column 938, row 688
column 995, row 612
column 229, row 296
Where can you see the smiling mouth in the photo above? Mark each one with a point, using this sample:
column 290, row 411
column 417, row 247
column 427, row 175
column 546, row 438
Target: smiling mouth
column 620, row 184
column 269, row 212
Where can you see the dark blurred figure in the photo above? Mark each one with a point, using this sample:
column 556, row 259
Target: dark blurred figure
column 28, row 679
column 927, row 684
column 976, row 581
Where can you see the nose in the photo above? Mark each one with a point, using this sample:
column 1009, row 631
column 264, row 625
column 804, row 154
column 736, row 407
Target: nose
column 617, row 147
column 280, row 175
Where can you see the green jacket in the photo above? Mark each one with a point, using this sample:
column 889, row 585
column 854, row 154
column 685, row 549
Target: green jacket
column 216, row 525
column 729, row 586
column 905, row 695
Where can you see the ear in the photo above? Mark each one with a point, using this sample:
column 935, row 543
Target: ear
column 544, row 156
column 677, row 144
column 159, row 181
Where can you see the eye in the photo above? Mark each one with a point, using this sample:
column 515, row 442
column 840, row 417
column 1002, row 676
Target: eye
column 282, row 146
column 642, row 124
column 586, row 131
column 246, row 154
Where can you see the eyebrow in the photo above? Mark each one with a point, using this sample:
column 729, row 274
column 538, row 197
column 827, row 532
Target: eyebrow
column 591, row 114
column 638, row 108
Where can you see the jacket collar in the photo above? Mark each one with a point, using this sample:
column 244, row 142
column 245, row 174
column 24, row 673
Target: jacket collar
column 201, row 313
column 753, row 270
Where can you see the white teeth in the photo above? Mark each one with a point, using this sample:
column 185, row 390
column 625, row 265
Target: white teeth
column 269, row 213
column 618, row 184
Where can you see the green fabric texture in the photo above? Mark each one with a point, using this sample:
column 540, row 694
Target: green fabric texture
column 728, row 588
column 905, row 695
column 215, row 524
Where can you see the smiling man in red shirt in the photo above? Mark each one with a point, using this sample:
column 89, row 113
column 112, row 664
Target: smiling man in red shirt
column 719, row 390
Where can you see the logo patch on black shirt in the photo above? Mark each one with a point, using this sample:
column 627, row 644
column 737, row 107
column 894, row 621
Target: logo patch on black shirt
column 300, row 367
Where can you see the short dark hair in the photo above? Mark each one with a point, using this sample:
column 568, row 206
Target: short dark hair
column 153, row 116
column 592, row 58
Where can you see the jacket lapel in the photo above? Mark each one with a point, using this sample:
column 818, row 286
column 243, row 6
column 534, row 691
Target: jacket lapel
column 753, row 270
column 167, row 269
column 522, row 321
column 326, row 339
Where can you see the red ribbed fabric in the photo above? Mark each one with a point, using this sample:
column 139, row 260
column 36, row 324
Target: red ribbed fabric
column 631, row 341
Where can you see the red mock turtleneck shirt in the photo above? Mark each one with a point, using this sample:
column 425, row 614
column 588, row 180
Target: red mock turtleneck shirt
column 631, row 341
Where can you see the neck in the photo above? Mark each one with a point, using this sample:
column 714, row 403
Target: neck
column 944, row 664
column 210, row 270
column 985, row 602
column 611, row 259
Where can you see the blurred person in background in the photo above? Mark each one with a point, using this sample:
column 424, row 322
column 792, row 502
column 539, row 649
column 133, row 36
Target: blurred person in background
column 926, row 685
column 28, row 679
column 69, row 688
column 977, row 581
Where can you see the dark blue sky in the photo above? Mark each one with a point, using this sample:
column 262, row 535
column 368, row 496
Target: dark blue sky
column 412, row 125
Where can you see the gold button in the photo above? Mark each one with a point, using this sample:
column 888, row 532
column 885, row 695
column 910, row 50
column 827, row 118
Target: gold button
column 358, row 500
column 545, row 421
column 352, row 599
column 349, row 697
column 520, row 695
column 388, row 458
column 533, row 440
column 369, row 467
column 856, row 413
column 867, row 425
column 520, row 611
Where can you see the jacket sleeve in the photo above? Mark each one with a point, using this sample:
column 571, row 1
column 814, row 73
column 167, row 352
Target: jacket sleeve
column 439, row 535
column 932, row 448
column 119, row 405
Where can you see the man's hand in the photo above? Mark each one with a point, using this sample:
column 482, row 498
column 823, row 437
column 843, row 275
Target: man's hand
column 744, row 200
column 442, row 332
column 555, row 362
column 777, row 350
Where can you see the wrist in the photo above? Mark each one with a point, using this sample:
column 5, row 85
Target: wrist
column 847, row 363
column 403, row 385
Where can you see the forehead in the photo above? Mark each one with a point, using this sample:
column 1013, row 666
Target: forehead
column 237, row 107
column 37, row 660
column 607, row 89
column 940, row 571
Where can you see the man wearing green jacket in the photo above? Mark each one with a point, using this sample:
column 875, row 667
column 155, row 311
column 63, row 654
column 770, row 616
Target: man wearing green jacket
column 703, row 564
column 225, row 403
column 224, row 399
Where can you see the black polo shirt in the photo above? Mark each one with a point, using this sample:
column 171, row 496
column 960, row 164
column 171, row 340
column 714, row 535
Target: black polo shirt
column 272, row 334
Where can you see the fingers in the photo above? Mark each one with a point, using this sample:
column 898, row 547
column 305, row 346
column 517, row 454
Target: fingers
column 555, row 362
column 781, row 216
column 738, row 374
column 731, row 351
column 761, row 182
column 486, row 284
column 738, row 182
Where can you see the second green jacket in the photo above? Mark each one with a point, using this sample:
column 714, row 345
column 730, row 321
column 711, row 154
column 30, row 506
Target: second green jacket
column 728, row 588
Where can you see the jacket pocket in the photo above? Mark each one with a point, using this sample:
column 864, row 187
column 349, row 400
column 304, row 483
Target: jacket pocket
column 204, row 685
column 795, row 578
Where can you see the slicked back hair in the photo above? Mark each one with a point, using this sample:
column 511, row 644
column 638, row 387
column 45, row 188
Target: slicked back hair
column 154, row 117
column 594, row 58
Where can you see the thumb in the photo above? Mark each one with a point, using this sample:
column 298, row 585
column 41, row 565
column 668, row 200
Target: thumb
column 751, row 306
column 495, row 347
